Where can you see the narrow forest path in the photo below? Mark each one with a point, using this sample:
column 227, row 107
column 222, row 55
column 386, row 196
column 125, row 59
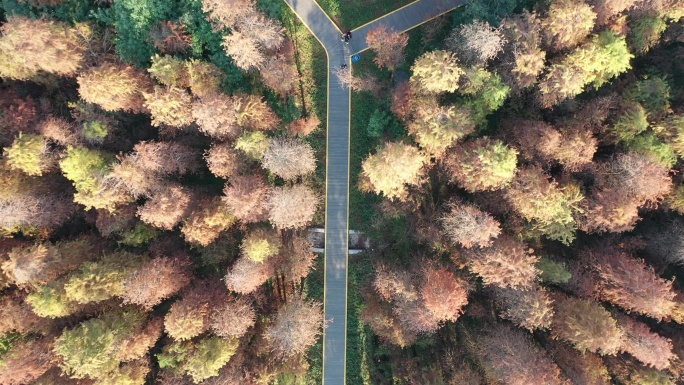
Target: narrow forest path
column 337, row 159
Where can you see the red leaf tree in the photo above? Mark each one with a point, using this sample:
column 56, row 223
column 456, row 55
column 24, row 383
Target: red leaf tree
column 388, row 46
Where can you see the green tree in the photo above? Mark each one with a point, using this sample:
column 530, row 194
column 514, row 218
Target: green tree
column 648, row 144
column 644, row 33
column 260, row 244
column 101, row 280
column 200, row 359
column 169, row 71
column 51, row 301
column 85, row 167
column 392, row 167
column 437, row 71
column 631, row 121
column 653, row 93
column 30, row 154
column 553, row 272
column 482, row 164
column 550, row 207
column 94, row 347
column 378, row 121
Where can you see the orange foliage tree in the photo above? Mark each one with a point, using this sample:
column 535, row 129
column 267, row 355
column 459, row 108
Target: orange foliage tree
column 388, row 46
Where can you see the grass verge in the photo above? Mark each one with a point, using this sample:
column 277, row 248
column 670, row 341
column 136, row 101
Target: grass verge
column 350, row 14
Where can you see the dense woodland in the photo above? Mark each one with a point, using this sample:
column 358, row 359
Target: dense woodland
column 162, row 160
column 159, row 170
column 524, row 192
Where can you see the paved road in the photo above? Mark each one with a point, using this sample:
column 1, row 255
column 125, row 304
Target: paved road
column 337, row 162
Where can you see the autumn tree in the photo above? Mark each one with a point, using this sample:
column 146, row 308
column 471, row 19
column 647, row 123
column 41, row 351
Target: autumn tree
column 189, row 316
column 130, row 175
column 573, row 147
column 17, row 315
column 623, row 184
column 114, row 87
column 51, row 301
column 509, row 356
column 567, row 23
column 40, row 263
column 167, row 206
column 645, row 345
column 171, row 37
column 260, row 244
column 205, row 78
column 482, row 164
column 245, row 197
column 507, row 263
column 631, row 284
column 246, row 275
column 528, row 308
column 252, row 144
column 222, row 160
column 443, row 294
column 170, row 106
column 392, row 167
column 388, row 46
column 157, row 279
column 609, row 9
column 468, row 226
column 280, row 74
column 166, row 158
column 215, row 116
column 437, row 71
column 296, row 328
column 291, row 207
column 253, row 113
column 206, row 222
column 586, row 325
column 26, row 360
column 523, row 58
column 30, row 154
column 289, row 158
column 296, row 259
column 304, row 126
column 232, row 318
column 583, row 368
column 29, row 202
column 476, row 43
column 551, row 208
column 29, row 46
column 244, row 50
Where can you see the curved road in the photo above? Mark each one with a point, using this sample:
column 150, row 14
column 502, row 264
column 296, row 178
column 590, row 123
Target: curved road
column 337, row 160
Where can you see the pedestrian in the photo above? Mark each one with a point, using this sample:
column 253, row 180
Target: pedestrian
column 348, row 35
column 343, row 66
column 346, row 39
